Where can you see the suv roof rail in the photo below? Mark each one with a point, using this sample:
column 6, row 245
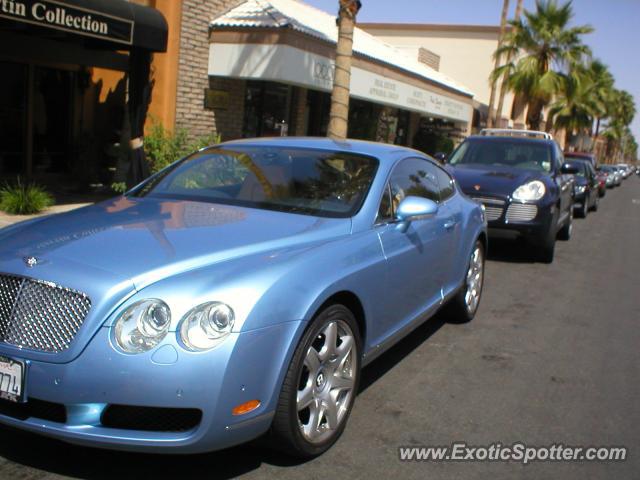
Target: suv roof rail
column 510, row 132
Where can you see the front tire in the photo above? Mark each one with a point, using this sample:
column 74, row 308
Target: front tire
column 463, row 307
column 566, row 231
column 584, row 210
column 320, row 386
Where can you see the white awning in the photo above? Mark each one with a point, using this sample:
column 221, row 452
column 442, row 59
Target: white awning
column 287, row 64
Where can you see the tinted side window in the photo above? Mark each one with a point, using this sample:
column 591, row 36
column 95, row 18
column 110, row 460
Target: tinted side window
column 559, row 156
column 414, row 177
column 445, row 182
column 385, row 212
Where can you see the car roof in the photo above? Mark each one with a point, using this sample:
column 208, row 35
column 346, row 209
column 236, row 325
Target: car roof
column 499, row 139
column 579, row 155
column 363, row 147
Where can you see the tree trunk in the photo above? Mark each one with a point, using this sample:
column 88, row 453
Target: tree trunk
column 567, row 138
column 534, row 114
column 339, row 114
column 505, row 78
column 519, row 110
column 491, row 120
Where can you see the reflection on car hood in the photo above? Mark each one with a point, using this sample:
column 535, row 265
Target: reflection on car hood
column 476, row 179
column 148, row 239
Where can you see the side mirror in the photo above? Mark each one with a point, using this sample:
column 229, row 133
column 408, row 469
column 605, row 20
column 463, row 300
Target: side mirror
column 568, row 169
column 441, row 157
column 414, row 208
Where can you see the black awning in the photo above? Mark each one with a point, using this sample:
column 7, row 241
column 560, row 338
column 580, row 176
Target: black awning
column 115, row 24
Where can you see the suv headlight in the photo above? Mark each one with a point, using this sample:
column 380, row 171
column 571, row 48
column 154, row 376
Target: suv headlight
column 206, row 326
column 142, row 326
column 579, row 189
column 529, row 192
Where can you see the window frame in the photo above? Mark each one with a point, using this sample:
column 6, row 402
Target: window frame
column 387, row 189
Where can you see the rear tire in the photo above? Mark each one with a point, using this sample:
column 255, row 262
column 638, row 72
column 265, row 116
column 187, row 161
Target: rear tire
column 463, row 307
column 320, row 386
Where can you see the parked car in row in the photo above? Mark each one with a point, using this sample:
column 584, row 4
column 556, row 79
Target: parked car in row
column 603, row 178
column 237, row 292
column 614, row 175
column 586, row 192
column 609, row 174
column 585, row 156
column 520, row 178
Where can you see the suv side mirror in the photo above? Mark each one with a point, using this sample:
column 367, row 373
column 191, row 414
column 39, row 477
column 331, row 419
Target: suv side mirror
column 414, row 208
column 568, row 169
column 441, row 157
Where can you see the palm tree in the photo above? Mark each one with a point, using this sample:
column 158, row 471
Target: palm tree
column 505, row 76
column 621, row 111
column 574, row 106
column 494, row 83
column 602, row 91
column 540, row 46
column 339, row 113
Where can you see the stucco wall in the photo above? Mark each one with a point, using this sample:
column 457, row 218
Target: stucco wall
column 465, row 55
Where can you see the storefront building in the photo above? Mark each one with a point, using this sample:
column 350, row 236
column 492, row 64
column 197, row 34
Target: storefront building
column 63, row 85
column 265, row 68
column 464, row 52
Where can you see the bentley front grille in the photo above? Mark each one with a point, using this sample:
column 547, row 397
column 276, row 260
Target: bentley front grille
column 40, row 315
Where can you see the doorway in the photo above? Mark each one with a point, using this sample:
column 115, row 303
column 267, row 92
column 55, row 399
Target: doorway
column 36, row 121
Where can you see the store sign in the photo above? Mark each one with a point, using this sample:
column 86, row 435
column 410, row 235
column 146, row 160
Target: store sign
column 293, row 66
column 69, row 18
column 216, row 99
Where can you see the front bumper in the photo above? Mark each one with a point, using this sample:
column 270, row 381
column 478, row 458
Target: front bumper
column 247, row 366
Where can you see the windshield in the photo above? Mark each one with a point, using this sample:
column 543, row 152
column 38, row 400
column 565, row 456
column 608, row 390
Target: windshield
column 581, row 167
column 313, row 182
column 505, row 152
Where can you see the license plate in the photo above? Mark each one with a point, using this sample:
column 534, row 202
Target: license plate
column 11, row 379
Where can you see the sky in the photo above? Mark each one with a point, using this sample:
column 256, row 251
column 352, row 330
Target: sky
column 615, row 41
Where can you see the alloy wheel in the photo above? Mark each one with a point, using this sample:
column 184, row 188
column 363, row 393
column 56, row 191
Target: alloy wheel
column 475, row 278
column 327, row 381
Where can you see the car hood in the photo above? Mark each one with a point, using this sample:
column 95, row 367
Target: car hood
column 475, row 179
column 145, row 240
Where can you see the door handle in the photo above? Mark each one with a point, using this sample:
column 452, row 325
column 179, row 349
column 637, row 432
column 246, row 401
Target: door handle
column 449, row 224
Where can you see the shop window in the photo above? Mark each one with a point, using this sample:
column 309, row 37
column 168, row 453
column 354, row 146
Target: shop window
column 267, row 110
column 13, row 117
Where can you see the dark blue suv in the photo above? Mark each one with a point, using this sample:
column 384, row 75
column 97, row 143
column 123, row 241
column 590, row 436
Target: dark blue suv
column 523, row 184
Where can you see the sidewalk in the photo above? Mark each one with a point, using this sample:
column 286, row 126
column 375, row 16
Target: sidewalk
column 6, row 219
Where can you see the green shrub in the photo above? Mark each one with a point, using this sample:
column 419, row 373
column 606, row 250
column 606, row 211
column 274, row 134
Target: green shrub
column 20, row 199
column 163, row 147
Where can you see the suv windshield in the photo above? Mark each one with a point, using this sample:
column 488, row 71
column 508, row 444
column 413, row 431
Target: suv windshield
column 298, row 180
column 516, row 153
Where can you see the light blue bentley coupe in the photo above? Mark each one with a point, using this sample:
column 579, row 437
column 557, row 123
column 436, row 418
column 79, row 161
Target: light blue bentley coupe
column 236, row 293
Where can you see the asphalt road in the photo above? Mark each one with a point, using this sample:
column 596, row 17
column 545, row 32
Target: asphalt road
column 553, row 356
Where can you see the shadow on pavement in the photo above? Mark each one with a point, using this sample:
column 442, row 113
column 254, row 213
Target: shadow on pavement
column 511, row 251
column 56, row 457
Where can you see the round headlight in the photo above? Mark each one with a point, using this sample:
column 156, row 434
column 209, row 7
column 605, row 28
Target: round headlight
column 206, row 326
column 529, row 192
column 142, row 326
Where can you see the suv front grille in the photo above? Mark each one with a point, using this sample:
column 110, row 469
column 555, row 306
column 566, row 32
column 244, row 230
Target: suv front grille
column 493, row 207
column 39, row 315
